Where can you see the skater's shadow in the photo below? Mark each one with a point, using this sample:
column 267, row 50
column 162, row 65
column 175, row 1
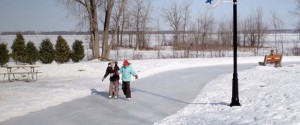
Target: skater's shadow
column 180, row 101
column 96, row 92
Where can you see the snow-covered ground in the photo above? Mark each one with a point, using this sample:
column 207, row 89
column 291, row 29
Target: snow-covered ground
column 268, row 95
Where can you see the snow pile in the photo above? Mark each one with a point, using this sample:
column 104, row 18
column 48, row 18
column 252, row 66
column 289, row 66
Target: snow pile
column 268, row 96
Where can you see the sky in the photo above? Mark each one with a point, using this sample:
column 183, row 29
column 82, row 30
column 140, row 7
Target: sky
column 48, row 15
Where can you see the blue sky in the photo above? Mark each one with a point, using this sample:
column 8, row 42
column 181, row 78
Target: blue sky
column 47, row 15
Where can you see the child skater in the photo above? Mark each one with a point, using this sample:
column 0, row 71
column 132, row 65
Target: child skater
column 127, row 71
column 112, row 70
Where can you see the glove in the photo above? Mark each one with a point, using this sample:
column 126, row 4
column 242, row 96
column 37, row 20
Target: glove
column 136, row 76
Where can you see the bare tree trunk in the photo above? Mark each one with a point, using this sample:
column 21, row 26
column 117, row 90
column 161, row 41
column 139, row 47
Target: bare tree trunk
column 197, row 42
column 88, row 7
column 94, row 27
column 124, row 21
column 275, row 28
column 185, row 22
column 136, row 11
column 105, row 47
column 130, row 40
column 197, row 37
column 145, row 19
column 137, row 35
column 158, row 39
column 258, row 29
column 244, row 31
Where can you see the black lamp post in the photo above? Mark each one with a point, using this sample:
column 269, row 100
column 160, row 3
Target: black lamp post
column 235, row 91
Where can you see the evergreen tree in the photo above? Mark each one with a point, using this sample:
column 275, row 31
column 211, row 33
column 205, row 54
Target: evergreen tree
column 46, row 53
column 77, row 51
column 62, row 50
column 32, row 53
column 18, row 49
column 4, row 54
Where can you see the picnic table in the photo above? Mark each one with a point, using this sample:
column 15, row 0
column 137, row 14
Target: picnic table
column 13, row 70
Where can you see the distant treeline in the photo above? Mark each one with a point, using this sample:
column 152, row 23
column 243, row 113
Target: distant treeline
column 126, row 32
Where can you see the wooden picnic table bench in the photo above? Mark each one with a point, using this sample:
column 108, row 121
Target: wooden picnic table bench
column 272, row 59
column 29, row 70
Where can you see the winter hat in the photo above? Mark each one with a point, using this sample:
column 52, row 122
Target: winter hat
column 114, row 62
column 125, row 63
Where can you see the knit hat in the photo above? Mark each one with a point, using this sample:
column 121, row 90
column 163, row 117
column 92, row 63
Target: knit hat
column 125, row 63
column 114, row 61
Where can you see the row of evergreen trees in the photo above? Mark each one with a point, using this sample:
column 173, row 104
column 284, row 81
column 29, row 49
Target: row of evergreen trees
column 47, row 53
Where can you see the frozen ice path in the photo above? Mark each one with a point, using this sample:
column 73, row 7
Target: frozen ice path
column 153, row 98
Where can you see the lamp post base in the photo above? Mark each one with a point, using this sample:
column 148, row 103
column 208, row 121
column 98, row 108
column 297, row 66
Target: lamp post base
column 235, row 103
column 235, row 90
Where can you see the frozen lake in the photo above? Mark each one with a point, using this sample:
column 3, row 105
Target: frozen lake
column 288, row 41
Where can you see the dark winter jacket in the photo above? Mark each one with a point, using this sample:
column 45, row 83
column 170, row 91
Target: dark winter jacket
column 113, row 72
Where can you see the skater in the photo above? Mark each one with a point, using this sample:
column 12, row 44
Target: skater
column 126, row 71
column 112, row 70
column 272, row 52
column 265, row 59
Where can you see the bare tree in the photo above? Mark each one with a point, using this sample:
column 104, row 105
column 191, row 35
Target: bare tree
column 196, row 37
column 225, row 37
column 140, row 10
column 86, row 10
column 174, row 16
column 145, row 20
column 123, row 20
column 123, row 14
column 130, row 27
column 260, row 29
column 244, row 31
column 205, row 28
column 296, row 50
column 277, row 24
column 117, row 20
column 250, row 33
column 297, row 13
column 255, row 30
column 225, row 32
